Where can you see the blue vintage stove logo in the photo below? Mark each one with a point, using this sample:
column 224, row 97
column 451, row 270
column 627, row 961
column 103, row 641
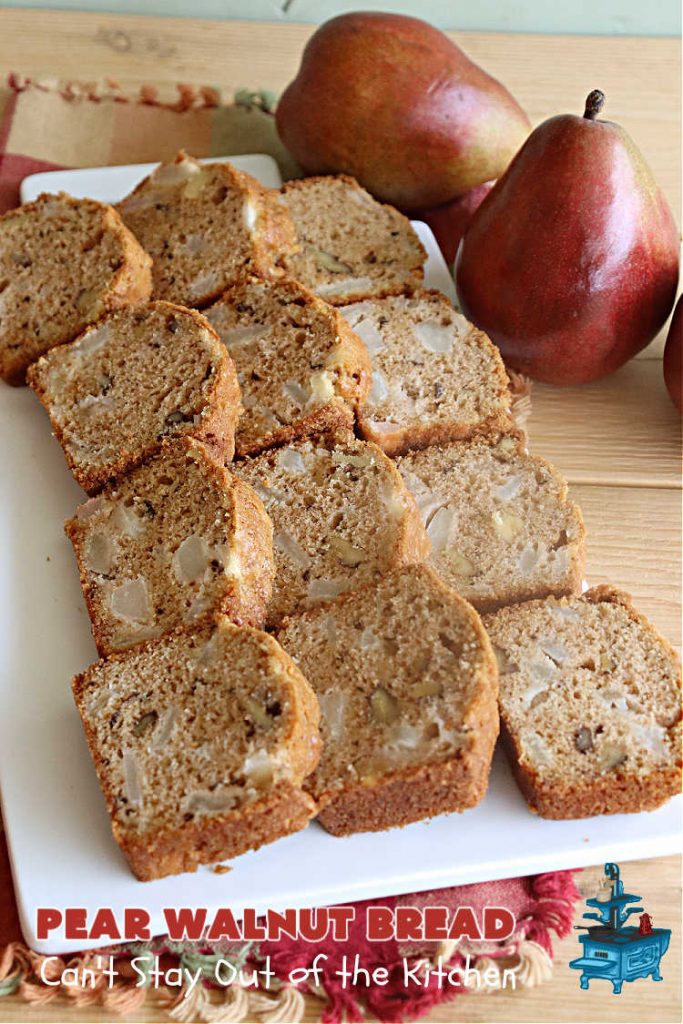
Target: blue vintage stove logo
column 612, row 949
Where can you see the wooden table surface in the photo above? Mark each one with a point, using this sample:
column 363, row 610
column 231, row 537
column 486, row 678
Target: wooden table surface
column 617, row 441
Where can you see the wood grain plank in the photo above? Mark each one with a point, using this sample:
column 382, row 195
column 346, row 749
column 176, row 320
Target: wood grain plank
column 623, row 430
column 547, row 73
column 634, row 542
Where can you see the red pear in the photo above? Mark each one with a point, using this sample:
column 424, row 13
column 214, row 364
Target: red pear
column 392, row 101
column 673, row 357
column 570, row 264
column 449, row 221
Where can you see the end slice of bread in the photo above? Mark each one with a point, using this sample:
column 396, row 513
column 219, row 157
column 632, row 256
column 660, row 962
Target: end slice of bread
column 341, row 518
column 590, row 704
column 435, row 378
column 64, row 264
column 301, row 368
column 201, row 743
column 351, row 247
column 175, row 542
column 203, row 225
column 407, row 685
column 499, row 520
column 140, row 376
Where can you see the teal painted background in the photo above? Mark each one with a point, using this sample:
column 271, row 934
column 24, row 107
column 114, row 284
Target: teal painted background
column 611, row 17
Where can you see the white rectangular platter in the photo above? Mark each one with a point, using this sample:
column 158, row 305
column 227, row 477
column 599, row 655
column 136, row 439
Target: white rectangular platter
column 60, row 842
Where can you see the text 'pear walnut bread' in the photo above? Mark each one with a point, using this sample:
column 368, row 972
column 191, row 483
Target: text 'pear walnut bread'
column 407, row 684
column 341, row 517
column 590, row 704
column 350, row 246
column 139, row 376
column 64, row 263
column 201, row 744
column 176, row 541
column 301, row 368
column 203, row 224
column 435, row 377
column 501, row 526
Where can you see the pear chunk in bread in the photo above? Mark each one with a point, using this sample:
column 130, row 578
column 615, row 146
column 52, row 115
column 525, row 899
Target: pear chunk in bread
column 407, row 684
column 590, row 704
column 138, row 377
column 201, row 744
column 64, row 264
column 176, row 541
column 341, row 517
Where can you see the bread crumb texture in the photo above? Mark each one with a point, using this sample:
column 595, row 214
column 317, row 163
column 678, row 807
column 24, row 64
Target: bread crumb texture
column 407, row 685
column 201, row 743
column 590, row 702
column 64, row 264
column 435, row 377
column 139, row 376
column 501, row 526
column 341, row 518
column 301, row 368
column 351, row 247
column 203, row 225
column 176, row 541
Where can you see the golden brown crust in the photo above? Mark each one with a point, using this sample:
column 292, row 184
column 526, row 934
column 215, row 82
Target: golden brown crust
column 253, row 533
column 329, row 418
column 288, row 809
column 129, row 284
column 617, row 793
column 436, row 788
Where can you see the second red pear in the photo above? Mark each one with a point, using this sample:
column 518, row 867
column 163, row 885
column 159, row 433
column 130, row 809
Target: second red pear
column 570, row 264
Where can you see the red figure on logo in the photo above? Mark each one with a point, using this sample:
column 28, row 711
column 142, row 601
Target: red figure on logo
column 645, row 927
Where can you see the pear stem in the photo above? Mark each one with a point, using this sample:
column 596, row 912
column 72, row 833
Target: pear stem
column 594, row 104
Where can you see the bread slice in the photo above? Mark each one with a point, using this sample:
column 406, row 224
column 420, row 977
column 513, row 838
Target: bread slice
column 351, row 246
column 64, row 263
column 590, row 704
column 301, row 368
column 139, row 376
column 501, row 525
column 203, row 224
column 175, row 542
column 201, row 743
column 436, row 378
column 407, row 685
column 341, row 517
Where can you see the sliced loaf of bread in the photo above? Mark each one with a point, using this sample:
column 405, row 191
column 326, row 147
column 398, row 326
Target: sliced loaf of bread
column 176, row 541
column 499, row 520
column 590, row 704
column 201, row 743
column 64, row 263
column 300, row 366
column 203, row 224
column 435, row 378
column 341, row 517
column 139, row 376
column 407, row 685
column 350, row 246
